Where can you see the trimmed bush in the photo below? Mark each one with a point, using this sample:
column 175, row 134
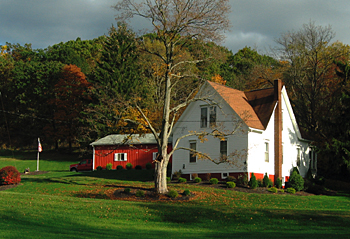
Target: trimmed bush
column 119, row 167
column 281, row 190
column 230, row 184
column 253, row 183
column 231, row 179
column 128, row 166
column 109, row 166
column 194, row 175
column 138, row 167
column 213, row 181
column 187, row 192
column 99, row 168
column 243, row 179
column 273, row 190
column 197, row 180
column 176, row 175
column 278, row 183
column 182, row 180
column 267, row 181
column 140, row 193
column 9, row 175
column 296, row 181
column 173, row 194
column 290, row 190
column 148, row 166
column 126, row 190
column 168, row 179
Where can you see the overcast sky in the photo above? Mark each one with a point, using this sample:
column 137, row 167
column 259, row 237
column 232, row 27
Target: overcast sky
column 255, row 23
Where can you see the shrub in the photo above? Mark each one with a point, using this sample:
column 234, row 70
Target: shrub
column 187, row 192
column 140, row 193
column 126, row 190
column 281, row 190
column 119, row 167
column 197, row 180
column 138, row 167
column 296, row 181
column 177, row 175
column 253, row 183
column 99, row 168
column 278, row 183
column 194, row 175
column 148, row 166
column 290, row 190
column 230, row 179
column 260, row 183
column 168, row 179
column 267, row 181
column 128, row 166
column 243, row 179
column 9, row 175
column 173, row 194
column 295, row 169
column 230, row 184
column 109, row 166
column 273, row 190
column 182, row 180
column 213, row 181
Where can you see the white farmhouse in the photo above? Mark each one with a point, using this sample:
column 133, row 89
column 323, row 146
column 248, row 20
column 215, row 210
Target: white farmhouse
column 268, row 139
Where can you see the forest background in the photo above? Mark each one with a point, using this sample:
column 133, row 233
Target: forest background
column 75, row 92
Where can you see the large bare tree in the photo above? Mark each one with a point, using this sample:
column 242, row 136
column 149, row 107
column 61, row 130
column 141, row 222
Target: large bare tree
column 176, row 24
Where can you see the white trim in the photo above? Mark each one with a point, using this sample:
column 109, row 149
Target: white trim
column 116, row 157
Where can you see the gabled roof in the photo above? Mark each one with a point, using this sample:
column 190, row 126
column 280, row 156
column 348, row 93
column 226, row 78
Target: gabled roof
column 254, row 107
column 115, row 139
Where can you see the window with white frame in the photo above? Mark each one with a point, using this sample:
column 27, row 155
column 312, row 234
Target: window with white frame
column 223, row 148
column 312, row 156
column 298, row 156
column 208, row 114
column 155, row 155
column 267, row 152
column 120, row 157
column 193, row 147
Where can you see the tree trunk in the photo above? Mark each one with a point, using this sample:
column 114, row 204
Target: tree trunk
column 160, row 178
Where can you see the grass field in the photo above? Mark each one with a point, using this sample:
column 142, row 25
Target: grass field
column 62, row 204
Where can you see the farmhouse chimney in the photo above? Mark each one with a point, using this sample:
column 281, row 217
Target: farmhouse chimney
column 278, row 129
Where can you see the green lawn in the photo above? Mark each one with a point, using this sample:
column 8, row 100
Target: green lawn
column 62, row 204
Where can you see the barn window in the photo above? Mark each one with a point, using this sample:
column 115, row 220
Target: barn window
column 155, row 155
column 120, row 157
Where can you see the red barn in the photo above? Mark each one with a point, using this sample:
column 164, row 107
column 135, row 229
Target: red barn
column 120, row 149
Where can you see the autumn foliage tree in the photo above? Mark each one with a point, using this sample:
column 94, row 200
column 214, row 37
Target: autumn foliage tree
column 175, row 24
column 71, row 92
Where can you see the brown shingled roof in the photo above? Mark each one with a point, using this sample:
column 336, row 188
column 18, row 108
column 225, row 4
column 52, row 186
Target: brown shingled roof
column 254, row 107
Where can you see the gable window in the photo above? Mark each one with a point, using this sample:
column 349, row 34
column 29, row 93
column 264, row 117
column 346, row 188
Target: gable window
column 208, row 114
column 298, row 157
column 120, row 157
column 267, row 152
column 193, row 157
column 223, row 148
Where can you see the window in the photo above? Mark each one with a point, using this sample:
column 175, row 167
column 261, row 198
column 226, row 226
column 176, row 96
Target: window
column 223, row 148
column 224, row 175
column 298, row 156
column 193, row 157
column 212, row 116
column 267, row 152
column 120, row 157
column 155, row 155
column 205, row 115
column 204, row 119
column 312, row 157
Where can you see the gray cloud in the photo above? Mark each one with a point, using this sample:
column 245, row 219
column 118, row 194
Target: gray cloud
column 255, row 23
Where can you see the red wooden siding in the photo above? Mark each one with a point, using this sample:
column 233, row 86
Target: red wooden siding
column 136, row 155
